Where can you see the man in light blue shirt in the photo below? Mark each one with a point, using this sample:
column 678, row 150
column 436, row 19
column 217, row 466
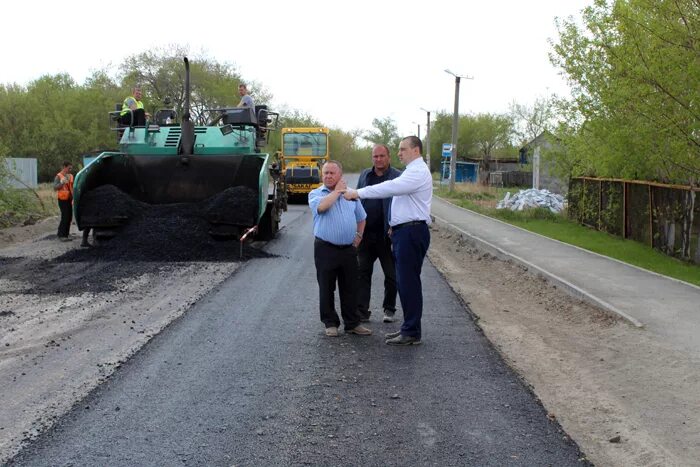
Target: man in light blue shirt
column 410, row 237
column 246, row 100
column 338, row 228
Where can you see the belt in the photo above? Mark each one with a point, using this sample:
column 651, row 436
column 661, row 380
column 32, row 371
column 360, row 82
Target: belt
column 333, row 245
column 406, row 224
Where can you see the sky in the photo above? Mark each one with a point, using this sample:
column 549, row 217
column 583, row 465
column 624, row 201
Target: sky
column 344, row 63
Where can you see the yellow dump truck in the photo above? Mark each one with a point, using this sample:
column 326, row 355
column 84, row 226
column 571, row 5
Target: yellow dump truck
column 304, row 151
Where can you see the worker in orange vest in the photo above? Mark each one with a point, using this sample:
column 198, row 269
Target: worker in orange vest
column 63, row 185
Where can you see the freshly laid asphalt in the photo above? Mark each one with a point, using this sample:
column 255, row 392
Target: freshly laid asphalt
column 247, row 377
column 666, row 307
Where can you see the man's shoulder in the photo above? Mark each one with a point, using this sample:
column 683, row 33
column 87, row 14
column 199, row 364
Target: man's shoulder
column 362, row 179
column 393, row 173
column 319, row 191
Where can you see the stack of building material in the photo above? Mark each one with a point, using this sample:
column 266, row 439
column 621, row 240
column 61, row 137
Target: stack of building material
column 532, row 198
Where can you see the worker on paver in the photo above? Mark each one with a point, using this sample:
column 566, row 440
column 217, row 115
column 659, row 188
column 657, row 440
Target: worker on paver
column 133, row 106
column 246, row 100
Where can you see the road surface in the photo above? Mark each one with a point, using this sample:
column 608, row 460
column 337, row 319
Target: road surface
column 247, row 377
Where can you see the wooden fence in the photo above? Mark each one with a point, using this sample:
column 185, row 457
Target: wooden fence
column 665, row 217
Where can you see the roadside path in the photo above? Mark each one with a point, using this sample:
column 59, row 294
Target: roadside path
column 661, row 305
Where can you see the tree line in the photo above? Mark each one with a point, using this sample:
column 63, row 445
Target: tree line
column 632, row 66
column 54, row 118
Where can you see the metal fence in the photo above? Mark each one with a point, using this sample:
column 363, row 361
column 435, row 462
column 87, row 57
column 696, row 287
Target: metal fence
column 22, row 172
column 665, row 217
column 511, row 178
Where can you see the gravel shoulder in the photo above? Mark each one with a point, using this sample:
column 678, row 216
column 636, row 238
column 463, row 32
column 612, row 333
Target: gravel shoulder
column 600, row 377
column 66, row 327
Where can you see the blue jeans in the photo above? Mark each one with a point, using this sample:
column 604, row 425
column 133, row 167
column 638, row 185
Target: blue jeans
column 410, row 243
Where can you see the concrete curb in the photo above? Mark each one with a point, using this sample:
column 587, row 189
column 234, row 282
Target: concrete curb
column 568, row 287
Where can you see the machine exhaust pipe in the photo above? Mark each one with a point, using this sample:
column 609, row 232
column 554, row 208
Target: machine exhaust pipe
column 187, row 136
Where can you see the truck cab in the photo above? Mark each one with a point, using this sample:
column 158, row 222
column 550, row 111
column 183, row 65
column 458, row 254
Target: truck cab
column 304, row 151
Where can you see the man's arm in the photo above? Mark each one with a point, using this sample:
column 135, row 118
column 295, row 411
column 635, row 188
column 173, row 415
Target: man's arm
column 328, row 201
column 58, row 182
column 360, row 232
column 402, row 185
column 131, row 103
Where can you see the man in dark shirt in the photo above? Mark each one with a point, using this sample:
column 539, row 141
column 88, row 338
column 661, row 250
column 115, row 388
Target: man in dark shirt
column 376, row 243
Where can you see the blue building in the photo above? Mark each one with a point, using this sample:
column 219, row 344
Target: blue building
column 464, row 171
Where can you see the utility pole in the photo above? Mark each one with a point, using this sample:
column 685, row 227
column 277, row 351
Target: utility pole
column 455, row 124
column 417, row 124
column 427, row 139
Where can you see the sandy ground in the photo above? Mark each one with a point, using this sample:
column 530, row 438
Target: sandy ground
column 600, row 377
column 625, row 398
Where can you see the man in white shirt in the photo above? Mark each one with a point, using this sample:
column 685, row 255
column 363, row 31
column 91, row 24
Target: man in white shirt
column 410, row 237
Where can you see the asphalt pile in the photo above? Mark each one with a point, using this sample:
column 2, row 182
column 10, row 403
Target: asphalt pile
column 237, row 205
column 168, row 232
column 107, row 203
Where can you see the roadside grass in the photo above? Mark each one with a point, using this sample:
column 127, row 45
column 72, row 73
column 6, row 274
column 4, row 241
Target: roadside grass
column 557, row 226
column 24, row 206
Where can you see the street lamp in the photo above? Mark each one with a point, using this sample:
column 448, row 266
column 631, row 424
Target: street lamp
column 427, row 139
column 455, row 123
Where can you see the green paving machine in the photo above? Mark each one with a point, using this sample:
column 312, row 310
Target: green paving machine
column 166, row 162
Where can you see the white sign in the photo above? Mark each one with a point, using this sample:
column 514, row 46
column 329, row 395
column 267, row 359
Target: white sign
column 446, row 150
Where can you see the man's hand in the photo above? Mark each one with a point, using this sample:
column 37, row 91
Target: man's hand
column 351, row 194
column 341, row 186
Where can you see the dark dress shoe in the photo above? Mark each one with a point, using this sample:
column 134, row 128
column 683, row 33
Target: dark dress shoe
column 392, row 335
column 403, row 340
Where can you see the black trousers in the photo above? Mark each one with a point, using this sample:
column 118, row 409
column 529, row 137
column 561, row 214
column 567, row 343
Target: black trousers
column 139, row 118
column 336, row 264
column 369, row 251
column 66, row 208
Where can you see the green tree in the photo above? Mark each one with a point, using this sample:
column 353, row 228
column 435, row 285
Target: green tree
column 635, row 72
column 491, row 132
column 161, row 74
column 530, row 121
column 384, row 132
column 345, row 148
